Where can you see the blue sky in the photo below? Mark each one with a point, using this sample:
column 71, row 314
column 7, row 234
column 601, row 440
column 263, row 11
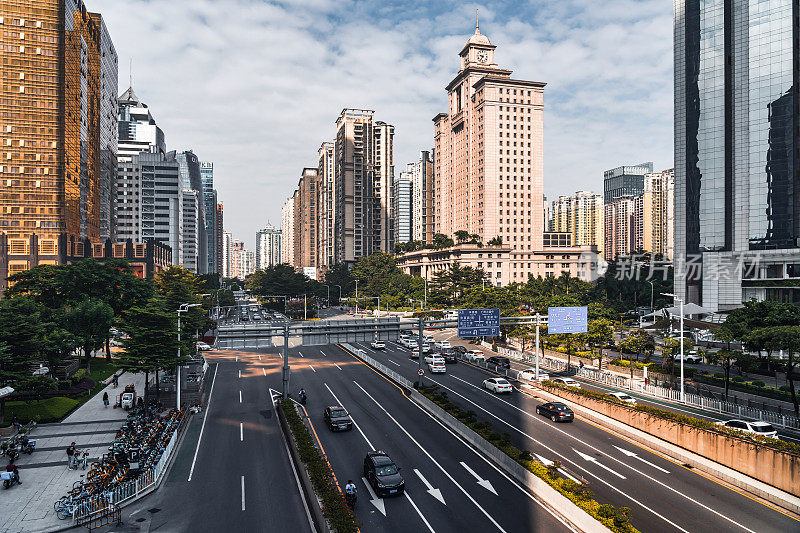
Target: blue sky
column 256, row 86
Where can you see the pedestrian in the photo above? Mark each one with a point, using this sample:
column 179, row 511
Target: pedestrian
column 15, row 423
column 71, row 455
column 105, row 399
column 114, row 380
column 581, row 365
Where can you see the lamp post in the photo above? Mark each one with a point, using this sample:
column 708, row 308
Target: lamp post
column 356, row 314
column 680, row 301
column 425, row 296
column 651, row 294
column 182, row 309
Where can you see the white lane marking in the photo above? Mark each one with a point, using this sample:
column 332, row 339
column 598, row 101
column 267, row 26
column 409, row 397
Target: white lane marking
column 259, row 357
column 598, row 463
column 396, row 364
column 264, row 371
column 445, row 472
column 551, row 450
column 205, row 417
column 240, row 373
column 323, row 353
column 418, row 511
column 240, row 396
column 242, row 493
column 373, row 498
column 547, row 462
column 492, row 465
column 241, row 432
column 631, row 454
column 351, row 417
column 575, row 438
column 482, row 482
column 301, row 354
column 237, row 358
column 312, row 368
column 436, row 493
column 337, row 366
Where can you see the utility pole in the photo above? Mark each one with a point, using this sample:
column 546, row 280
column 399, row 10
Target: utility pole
column 536, row 353
column 285, row 370
column 305, row 307
column 419, row 346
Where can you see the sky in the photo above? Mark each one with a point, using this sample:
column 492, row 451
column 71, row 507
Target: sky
column 256, row 86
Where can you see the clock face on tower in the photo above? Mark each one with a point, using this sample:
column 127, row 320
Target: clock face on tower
column 482, row 56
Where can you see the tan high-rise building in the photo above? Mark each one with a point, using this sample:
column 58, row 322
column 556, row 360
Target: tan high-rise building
column 581, row 215
column 655, row 214
column 364, row 168
column 422, row 208
column 306, row 220
column 619, row 227
column 488, row 156
column 325, row 205
column 287, row 232
column 58, row 132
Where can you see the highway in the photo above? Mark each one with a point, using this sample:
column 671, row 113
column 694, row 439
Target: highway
column 662, row 495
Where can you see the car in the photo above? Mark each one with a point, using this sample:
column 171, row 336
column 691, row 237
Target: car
column 443, row 344
column 497, row 385
column 377, row 345
column 414, row 353
column 460, row 349
column 383, row 474
column 426, row 348
column 502, row 362
column 431, row 356
column 202, row 346
column 757, row 427
column 427, row 338
column 530, row 375
column 473, row 356
column 450, row 358
column 569, row 382
column 245, row 318
column 692, row 357
column 337, row 418
column 556, row 411
column 412, row 345
column 436, row 366
column 624, row 397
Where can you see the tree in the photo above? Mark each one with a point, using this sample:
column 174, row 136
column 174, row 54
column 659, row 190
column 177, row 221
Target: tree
column 600, row 332
column 495, row 241
column 225, row 298
column 461, row 236
column 177, row 286
column 766, row 340
column 152, row 342
column 638, row 341
column 786, row 338
column 89, row 322
column 441, row 241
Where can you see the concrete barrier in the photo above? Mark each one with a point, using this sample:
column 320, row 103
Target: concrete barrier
column 756, row 468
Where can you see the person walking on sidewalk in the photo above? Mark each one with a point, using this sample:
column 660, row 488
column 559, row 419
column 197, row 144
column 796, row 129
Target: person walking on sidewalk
column 105, row 399
column 71, row 456
column 114, row 380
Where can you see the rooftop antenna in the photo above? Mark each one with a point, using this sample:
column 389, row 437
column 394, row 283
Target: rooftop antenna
column 130, row 73
column 477, row 29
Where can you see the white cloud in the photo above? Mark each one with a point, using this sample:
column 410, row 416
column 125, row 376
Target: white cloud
column 256, row 86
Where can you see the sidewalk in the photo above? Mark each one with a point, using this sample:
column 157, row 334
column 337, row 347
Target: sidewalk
column 44, row 474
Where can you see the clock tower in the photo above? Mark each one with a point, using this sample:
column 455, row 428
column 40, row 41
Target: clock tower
column 478, row 50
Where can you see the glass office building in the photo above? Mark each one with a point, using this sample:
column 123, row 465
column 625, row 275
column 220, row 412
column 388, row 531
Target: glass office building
column 737, row 150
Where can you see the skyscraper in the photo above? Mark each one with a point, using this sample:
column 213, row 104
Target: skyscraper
column 138, row 131
column 210, row 209
column 287, row 232
column 488, row 155
column 402, row 201
column 627, row 180
column 59, row 132
column 195, row 252
column 737, row 151
column 268, row 247
column 422, row 223
column 326, row 171
column 363, row 158
column 220, row 240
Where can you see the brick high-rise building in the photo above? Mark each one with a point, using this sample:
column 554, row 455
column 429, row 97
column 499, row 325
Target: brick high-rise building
column 488, row 156
column 58, row 107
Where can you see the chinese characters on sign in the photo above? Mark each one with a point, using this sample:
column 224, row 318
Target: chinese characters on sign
column 567, row 319
column 478, row 322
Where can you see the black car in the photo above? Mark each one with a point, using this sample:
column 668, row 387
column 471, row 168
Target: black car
column 502, row 362
column 338, row 418
column 460, row 349
column 450, row 357
column 384, row 476
column 556, row 411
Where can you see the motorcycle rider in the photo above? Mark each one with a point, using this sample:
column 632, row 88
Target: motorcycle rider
column 303, row 395
column 350, row 492
column 11, row 467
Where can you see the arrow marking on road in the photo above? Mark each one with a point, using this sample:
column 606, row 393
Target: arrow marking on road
column 482, row 482
column 337, row 366
column 547, row 462
column 312, row 368
column 436, row 493
column 631, row 454
column 601, row 465
column 374, row 500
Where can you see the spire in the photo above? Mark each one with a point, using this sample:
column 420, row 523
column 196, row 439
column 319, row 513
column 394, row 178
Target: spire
column 477, row 27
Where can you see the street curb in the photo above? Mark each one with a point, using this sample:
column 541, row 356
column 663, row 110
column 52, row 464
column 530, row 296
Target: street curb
column 729, row 475
column 312, row 502
column 545, row 495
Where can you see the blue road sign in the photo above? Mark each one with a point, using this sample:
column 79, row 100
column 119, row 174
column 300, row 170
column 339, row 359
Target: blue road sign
column 567, row 320
column 478, row 322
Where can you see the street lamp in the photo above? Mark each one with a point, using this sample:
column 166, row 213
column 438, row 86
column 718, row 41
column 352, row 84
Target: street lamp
column 356, row 314
column 425, row 296
column 680, row 300
column 182, row 309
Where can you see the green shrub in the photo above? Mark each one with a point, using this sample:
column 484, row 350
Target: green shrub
column 737, row 379
column 758, row 383
column 719, row 375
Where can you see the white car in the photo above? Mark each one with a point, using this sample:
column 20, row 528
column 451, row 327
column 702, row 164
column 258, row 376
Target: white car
column 473, row 356
column 377, row 345
column 429, row 358
column 428, row 338
column 414, row 353
column 569, row 382
column 443, row 344
column 202, row 347
column 412, row 345
column 624, row 397
column 497, row 385
column 758, row 427
column 691, row 357
column 436, row 366
column 426, row 348
column 530, row 375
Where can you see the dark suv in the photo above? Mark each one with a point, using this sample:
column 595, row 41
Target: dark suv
column 337, row 418
column 502, row 362
column 384, row 476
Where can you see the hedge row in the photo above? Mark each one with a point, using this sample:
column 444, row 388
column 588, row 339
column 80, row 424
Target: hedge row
column 616, row 519
column 339, row 516
column 756, row 387
column 654, row 367
column 683, row 419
